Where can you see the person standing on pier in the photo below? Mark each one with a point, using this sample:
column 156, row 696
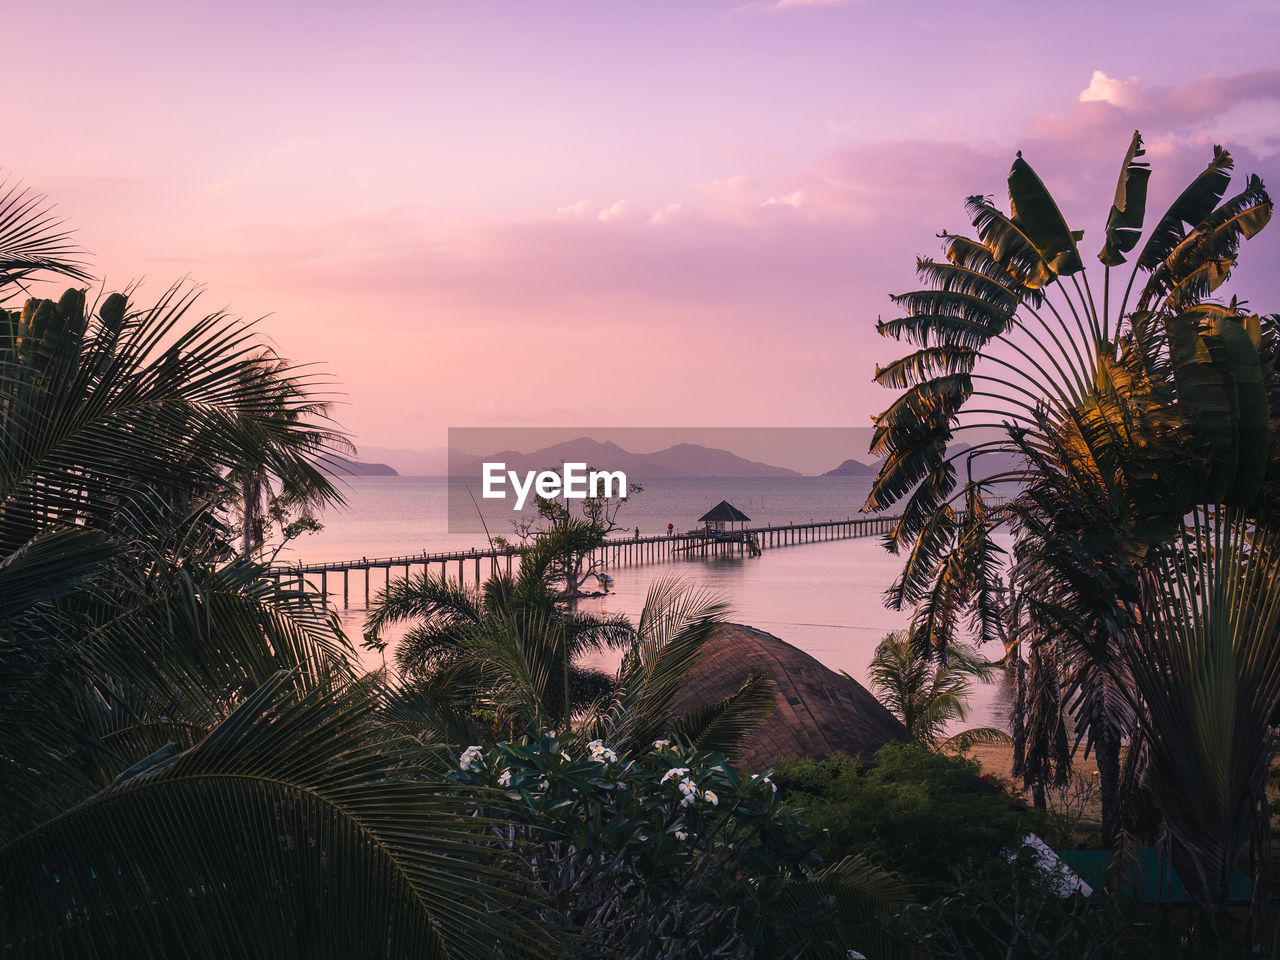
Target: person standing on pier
column 637, row 533
column 671, row 529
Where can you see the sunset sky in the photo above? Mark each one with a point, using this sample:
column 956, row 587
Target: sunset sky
column 662, row 213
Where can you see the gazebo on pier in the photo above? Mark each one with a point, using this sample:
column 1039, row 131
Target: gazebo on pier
column 723, row 513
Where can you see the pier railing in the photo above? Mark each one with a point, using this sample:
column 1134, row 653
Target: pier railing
column 478, row 564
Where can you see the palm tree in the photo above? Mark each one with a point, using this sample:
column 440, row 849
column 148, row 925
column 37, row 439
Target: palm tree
column 188, row 763
column 501, row 661
column 672, row 633
column 926, row 694
column 1114, row 421
column 511, row 647
column 273, row 488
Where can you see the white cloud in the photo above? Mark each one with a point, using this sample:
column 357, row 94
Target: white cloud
column 574, row 209
column 790, row 200
column 1120, row 93
column 614, row 212
column 666, row 213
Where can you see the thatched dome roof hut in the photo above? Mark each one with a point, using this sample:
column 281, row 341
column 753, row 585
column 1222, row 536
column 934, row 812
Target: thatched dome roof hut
column 818, row 711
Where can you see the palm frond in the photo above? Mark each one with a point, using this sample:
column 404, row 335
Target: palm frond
column 32, row 240
column 1206, row 662
column 674, row 627
column 721, row 726
column 291, row 826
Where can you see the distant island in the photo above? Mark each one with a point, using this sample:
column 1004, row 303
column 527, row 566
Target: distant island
column 337, row 466
column 853, row 468
column 432, row 462
column 680, row 460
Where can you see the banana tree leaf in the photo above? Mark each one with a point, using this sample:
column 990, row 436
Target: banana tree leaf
column 927, row 498
column 1252, row 415
column 924, row 364
column 934, row 401
column 1191, row 207
column 924, row 559
column 906, row 465
column 953, row 278
column 924, row 329
column 1124, row 223
column 1035, row 213
column 1202, row 262
column 969, row 254
column 1012, row 249
column 1203, row 395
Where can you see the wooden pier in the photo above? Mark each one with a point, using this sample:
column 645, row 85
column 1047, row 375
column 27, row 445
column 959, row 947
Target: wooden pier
column 477, row 565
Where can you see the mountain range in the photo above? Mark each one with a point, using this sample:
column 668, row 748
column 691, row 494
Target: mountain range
column 680, row 460
column 339, row 466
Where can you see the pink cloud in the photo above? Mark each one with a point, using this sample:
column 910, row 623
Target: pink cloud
column 738, row 276
column 1120, row 93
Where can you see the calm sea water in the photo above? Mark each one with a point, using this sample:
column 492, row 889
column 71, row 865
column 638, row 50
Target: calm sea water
column 824, row 598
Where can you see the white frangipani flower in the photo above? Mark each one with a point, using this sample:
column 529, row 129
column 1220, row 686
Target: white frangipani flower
column 600, row 753
column 505, row 779
column 711, row 798
column 681, row 835
column 688, row 787
column 661, row 744
column 469, row 759
column 674, row 773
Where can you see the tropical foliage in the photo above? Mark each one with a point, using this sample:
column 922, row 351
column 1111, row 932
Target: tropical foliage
column 913, row 811
column 672, row 853
column 294, row 826
column 929, row 694
column 281, row 496
column 188, row 763
column 1115, row 416
column 481, row 665
column 1206, row 668
column 456, row 628
column 577, row 562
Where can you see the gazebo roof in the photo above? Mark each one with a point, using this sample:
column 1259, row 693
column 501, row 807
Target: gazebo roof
column 723, row 512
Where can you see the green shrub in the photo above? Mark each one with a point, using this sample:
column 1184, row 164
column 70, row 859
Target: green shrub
column 915, row 812
column 1010, row 909
column 669, row 854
